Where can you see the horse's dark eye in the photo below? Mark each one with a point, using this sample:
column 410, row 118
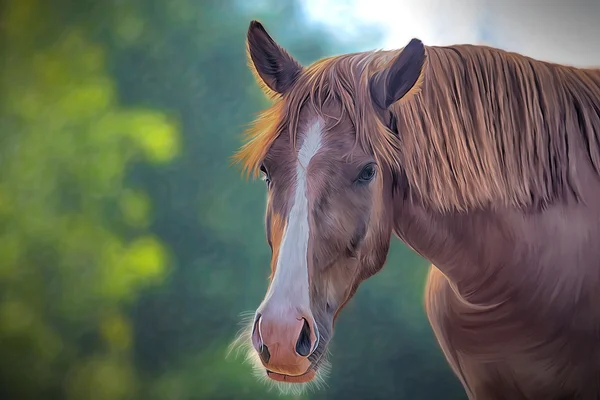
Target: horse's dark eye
column 367, row 173
column 266, row 177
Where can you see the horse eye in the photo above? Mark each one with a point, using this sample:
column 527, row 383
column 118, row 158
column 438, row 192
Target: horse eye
column 265, row 177
column 367, row 173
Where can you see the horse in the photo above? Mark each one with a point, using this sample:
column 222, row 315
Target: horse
column 484, row 162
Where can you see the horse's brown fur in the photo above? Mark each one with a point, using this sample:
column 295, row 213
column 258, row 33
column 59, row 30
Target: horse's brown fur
column 495, row 160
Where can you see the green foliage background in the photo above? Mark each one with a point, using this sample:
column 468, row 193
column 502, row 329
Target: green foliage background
column 128, row 244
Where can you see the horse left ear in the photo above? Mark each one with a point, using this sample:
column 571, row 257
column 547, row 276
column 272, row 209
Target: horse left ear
column 273, row 67
column 400, row 77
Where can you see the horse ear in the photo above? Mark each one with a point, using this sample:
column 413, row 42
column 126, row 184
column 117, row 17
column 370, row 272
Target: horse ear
column 401, row 76
column 274, row 67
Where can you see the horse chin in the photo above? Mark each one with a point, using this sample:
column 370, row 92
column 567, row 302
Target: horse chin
column 306, row 377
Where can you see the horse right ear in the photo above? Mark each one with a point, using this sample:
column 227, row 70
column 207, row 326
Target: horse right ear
column 400, row 77
column 275, row 70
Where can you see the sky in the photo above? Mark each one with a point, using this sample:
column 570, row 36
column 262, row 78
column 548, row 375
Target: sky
column 558, row 31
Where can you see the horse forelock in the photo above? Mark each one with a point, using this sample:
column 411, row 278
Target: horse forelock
column 339, row 80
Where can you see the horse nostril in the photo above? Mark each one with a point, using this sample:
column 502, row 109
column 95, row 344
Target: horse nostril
column 255, row 326
column 264, row 354
column 303, row 345
column 257, row 340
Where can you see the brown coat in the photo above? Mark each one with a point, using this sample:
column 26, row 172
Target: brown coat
column 487, row 164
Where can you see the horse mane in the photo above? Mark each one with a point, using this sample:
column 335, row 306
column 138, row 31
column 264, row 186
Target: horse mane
column 486, row 127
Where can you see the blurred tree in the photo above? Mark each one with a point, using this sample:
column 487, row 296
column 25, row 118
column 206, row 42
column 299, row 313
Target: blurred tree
column 67, row 269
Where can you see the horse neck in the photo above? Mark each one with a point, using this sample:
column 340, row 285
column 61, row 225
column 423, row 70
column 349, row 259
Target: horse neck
column 491, row 255
column 474, row 250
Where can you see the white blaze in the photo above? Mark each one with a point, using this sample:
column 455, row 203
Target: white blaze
column 290, row 280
